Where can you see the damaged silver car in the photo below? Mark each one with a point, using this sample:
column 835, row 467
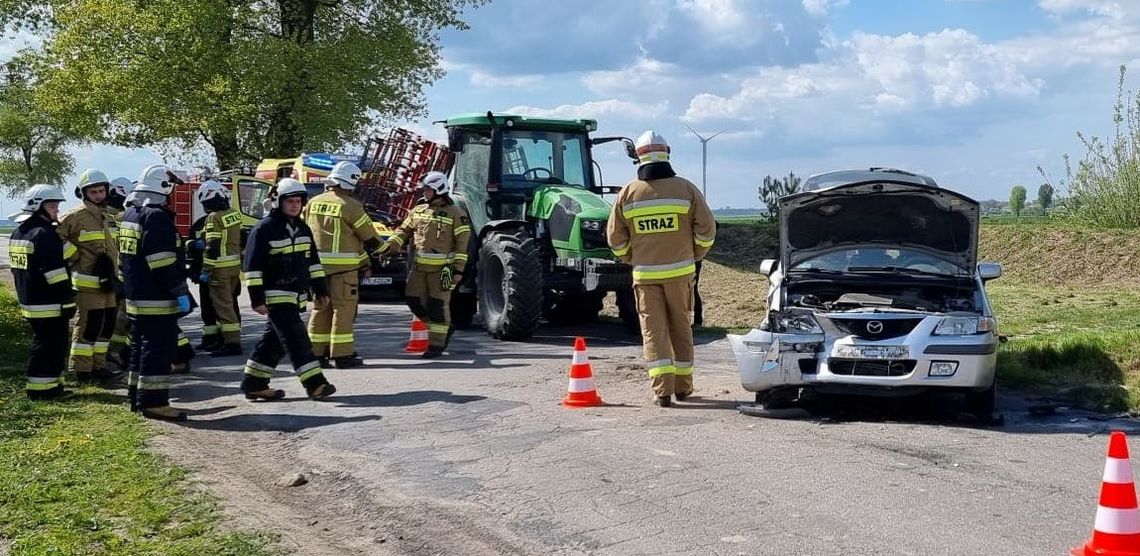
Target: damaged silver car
column 877, row 291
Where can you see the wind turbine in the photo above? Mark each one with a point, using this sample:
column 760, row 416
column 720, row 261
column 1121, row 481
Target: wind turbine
column 704, row 156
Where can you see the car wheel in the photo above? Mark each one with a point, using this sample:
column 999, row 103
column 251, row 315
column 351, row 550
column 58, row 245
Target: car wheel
column 776, row 398
column 982, row 404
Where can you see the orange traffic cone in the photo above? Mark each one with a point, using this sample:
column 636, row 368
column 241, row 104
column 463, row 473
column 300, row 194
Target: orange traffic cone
column 582, row 392
column 418, row 342
column 1116, row 531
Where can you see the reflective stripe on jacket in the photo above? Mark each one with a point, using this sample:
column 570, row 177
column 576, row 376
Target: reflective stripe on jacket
column 440, row 231
column 281, row 263
column 35, row 254
column 153, row 265
column 223, row 241
column 342, row 230
column 88, row 233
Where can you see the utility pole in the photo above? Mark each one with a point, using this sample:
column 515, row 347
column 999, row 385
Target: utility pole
column 704, row 157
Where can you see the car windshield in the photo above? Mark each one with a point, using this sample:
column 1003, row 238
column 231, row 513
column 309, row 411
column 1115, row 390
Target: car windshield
column 532, row 158
column 877, row 260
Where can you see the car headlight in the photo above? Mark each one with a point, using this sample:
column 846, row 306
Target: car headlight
column 592, row 225
column 965, row 326
column 794, row 323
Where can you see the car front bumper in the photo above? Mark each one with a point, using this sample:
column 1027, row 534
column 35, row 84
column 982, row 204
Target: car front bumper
column 769, row 360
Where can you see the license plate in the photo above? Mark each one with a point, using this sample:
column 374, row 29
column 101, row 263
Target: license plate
column 377, row 281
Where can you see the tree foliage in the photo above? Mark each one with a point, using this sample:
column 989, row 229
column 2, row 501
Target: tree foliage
column 33, row 147
column 773, row 188
column 1045, row 197
column 1017, row 199
column 250, row 78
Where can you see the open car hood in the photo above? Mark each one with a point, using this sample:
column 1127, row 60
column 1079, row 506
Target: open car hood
column 881, row 213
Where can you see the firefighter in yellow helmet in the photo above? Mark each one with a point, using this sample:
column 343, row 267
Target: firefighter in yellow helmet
column 662, row 226
column 344, row 236
column 441, row 231
column 89, row 245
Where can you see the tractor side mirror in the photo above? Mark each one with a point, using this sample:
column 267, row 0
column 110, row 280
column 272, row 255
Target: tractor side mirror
column 455, row 141
column 630, row 149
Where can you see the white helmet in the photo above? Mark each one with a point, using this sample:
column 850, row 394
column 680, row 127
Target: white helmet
column 90, row 178
column 211, row 190
column 121, row 186
column 154, row 179
column 288, row 187
column 34, row 198
column 438, row 182
column 652, row 147
column 345, row 175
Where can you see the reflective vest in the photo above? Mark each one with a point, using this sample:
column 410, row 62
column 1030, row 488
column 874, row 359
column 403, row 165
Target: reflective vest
column 223, row 241
column 89, row 245
column 35, row 254
column 661, row 227
column 439, row 231
column 342, row 230
column 281, row 263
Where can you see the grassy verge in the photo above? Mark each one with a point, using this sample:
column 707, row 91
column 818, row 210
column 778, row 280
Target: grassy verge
column 76, row 478
column 1085, row 342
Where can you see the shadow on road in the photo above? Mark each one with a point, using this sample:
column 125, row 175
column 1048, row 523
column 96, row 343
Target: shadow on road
column 403, row 399
column 280, row 422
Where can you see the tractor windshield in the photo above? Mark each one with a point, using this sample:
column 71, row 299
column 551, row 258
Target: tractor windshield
column 532, row 158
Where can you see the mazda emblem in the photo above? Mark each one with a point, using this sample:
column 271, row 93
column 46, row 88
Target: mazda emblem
column 874, row 327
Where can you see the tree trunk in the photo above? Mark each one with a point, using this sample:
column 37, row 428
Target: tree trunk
column 227, row 152
column 298, row 25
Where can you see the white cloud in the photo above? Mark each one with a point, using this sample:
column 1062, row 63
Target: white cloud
column 1107, row 8
column 484, row 79
column 599, row 109
column 821, row 7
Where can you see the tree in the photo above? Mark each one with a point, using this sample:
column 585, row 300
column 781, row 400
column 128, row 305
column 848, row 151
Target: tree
column 1017, row 200
column 249, row 78
column 1045, row 198
column 33, row 148
column 773, row 188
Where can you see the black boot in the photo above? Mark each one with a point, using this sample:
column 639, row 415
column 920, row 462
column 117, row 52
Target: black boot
column 348, row 362
column 322, row 391
column 663, row 401
column 210, row 342
column 432, row 353
column 55, row 394
column 226, row 350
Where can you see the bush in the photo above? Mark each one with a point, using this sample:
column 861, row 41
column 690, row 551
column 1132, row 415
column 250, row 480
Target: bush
column 1104, row 188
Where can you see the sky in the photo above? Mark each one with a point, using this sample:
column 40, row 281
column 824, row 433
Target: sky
column 975, row 93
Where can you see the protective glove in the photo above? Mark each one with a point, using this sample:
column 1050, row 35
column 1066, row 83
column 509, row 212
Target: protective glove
column 383, row 249
column 204, row 278
column 198, row 245
column 184, row 303
column 445, row 281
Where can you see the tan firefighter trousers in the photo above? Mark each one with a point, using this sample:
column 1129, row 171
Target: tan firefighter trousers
column 93, row 331
column 430, row 303
column 666, row 311
column 330, row 327
column 223, row 290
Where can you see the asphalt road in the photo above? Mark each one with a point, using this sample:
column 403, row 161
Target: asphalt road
column 474, row 453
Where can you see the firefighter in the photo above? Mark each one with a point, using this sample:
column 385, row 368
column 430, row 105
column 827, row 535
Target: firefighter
column 93, row 264
column 154, row 284
column 221, row 267
column 344, row 235
column 116, row 204
column 195, row 250
column 281, row 268
column 661, row 225
column 441, row 231
column 43, row 289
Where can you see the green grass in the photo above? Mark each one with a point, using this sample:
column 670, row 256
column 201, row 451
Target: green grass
column 1086, row 342
column 76, row 478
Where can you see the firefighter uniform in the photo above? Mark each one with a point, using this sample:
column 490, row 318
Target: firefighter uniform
column 281, row 268
column 661, row 225
column 222, row 261
column 47, row 302
column 439, row 231
column 93, row 261
column 120, row 336
column 195, row 251
column 154, row 281
column 344, row 236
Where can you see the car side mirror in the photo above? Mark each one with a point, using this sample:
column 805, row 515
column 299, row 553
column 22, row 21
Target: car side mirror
column 989, row 271
column 767, row 266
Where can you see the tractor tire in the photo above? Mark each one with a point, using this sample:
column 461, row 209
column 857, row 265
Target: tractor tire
column 577, row 308
column 510, row 285
column 627, row 311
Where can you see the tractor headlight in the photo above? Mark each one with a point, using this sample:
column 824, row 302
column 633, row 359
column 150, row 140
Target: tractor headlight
column 592, row 225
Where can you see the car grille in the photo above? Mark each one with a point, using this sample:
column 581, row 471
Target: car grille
column 865, row 329
column 871, row 367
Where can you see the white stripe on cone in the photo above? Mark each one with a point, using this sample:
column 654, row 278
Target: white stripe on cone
column 578, row 385
column 1117, row 522
column 580, row 358
column 1117, row 471
column 420, row 335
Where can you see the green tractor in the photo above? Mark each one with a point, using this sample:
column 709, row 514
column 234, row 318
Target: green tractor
column 538, row 221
